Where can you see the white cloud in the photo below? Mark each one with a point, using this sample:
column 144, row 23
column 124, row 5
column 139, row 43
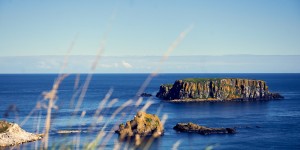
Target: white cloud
column 105, row 66
column 126, row 64
column 48, row 64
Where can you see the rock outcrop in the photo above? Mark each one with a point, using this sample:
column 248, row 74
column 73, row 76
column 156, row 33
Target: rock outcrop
column 143, row 124
column 191, row 127
column 146, row 95
column 205, row 89
column 11, row 134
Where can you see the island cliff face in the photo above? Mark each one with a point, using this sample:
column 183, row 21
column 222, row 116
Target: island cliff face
column 216, row 89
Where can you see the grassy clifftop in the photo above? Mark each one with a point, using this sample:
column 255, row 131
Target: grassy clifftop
column 199, row 80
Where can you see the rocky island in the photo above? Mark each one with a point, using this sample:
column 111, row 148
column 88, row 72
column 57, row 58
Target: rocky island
column 11, row 134
column 143, row 124
column 214, row 89
column 191, row 127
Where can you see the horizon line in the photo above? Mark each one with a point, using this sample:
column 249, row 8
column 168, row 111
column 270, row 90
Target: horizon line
column 152, row 73
column 151, row 55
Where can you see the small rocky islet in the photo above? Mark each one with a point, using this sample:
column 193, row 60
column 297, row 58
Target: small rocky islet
column 143, row 124
column 216, row 89
column 195, row 128
column 145, row 95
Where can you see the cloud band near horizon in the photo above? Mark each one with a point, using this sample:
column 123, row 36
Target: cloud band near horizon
column 147, row 64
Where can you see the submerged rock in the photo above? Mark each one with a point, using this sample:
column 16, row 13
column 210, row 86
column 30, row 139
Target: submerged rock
column 209, row 89
column 11, row 134
column 146, row 95
column 191, row 127
column 143, row 124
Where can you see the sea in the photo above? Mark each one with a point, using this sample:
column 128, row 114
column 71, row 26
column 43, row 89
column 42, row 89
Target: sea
column 94, row 105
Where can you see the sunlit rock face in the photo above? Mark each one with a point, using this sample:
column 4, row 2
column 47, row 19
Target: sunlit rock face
column 143, row 124
column 11, row 134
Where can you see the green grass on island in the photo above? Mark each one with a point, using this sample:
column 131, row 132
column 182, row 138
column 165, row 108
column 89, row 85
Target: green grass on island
column 201, row 80
column 168, row 85
column 197, row 80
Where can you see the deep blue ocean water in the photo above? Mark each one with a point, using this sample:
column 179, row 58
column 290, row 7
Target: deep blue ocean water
column 260, row 124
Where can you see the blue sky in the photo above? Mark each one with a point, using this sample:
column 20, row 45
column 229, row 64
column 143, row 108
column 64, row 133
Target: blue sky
column 147, row 28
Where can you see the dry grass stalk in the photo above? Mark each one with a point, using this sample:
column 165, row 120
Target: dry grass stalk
column 171, row 48
column 101, row 133
column 103, row 102
column 66, row 59
column 146, row 106
column 96, row 61
column 51, row 96
column 178, row 40
column 176, row 145
column 97, row 117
